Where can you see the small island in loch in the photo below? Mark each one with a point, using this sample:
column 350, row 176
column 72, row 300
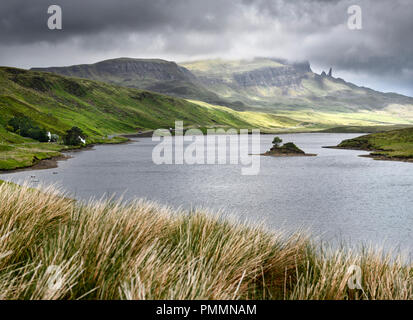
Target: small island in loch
column 288, row 149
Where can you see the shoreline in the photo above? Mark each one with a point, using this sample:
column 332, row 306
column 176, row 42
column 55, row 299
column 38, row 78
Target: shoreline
column 52, row 162
column 48, row 163
column 372, row 155
column 284, row 155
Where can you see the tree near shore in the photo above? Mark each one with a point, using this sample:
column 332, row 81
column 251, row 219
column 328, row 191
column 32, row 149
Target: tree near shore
column 73, row 136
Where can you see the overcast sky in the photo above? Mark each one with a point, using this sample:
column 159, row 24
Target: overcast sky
column 378, row 56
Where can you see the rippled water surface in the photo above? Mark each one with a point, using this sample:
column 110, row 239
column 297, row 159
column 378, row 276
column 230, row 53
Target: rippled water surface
column 337, row 195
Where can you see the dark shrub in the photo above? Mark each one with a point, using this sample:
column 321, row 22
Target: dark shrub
column 73, row 87
column 72, row 136
column 33, row 81
column 25, row 127
column 38, row 134
column 292, row 147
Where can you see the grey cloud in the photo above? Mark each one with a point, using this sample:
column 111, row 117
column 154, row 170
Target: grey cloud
column 24, row 21
column 313, row 30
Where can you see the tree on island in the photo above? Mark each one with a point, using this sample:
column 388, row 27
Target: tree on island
column 287, row 148
column 277, row 142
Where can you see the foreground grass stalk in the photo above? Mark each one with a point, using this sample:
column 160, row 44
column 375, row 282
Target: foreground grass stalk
column 52, row 247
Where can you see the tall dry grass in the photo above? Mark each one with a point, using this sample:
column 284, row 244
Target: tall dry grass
column 52, row 247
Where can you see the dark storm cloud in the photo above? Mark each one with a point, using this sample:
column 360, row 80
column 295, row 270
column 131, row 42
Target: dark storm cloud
column 314, row 30
column 25, row 21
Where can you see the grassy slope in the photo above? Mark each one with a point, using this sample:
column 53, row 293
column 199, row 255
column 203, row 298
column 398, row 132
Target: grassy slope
column 365, row 129
column 312, row 120
column 57, row 102
column 144, row 251
column 147, row 74
column 268, row 122
column 395, row 144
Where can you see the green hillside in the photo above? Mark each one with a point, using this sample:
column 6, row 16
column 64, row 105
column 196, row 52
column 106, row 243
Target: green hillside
column 57, row 103
column 146, row 74
column 392, row 145
column 364, row 129
column 313, row 120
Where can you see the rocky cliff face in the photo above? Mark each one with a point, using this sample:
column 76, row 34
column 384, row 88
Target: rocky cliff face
column 278, row 77
column 259, row 72
column 125, row 68
column 144, row 69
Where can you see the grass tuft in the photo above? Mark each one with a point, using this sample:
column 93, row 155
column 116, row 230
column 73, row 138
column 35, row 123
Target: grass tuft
column 55, row 248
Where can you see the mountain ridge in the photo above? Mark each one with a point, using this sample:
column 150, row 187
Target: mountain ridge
column 302, row 86
column 157, row 75
column 263, row 84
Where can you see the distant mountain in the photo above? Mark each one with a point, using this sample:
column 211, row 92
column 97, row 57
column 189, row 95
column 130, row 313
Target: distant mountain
column 277, row 84
column 266, row 84
column 147, row 74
